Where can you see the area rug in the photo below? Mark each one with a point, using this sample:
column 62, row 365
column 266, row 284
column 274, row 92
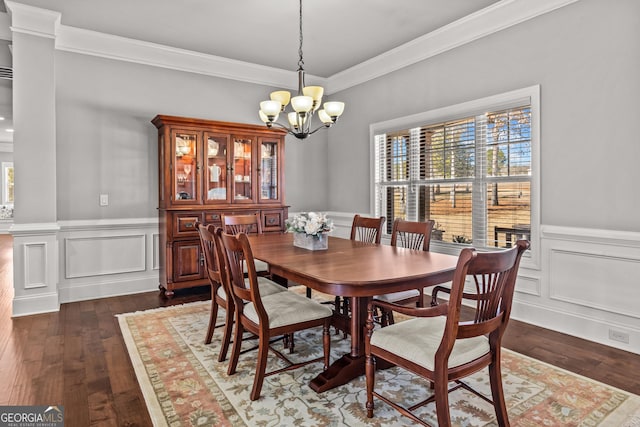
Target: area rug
column 184, row 384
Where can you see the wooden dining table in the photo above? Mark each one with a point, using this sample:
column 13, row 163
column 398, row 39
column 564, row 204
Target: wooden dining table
column 354, row 270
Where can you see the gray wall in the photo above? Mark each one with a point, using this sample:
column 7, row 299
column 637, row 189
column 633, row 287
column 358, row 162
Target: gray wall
column 107, row 144
column 586, row 58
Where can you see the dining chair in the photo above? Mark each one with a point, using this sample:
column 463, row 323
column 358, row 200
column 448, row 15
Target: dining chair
column 245, row 223
column 267, row 316
column 216, row 274
column 437, row 346
column 363, row 229
column 411, row 235
column 207, row 244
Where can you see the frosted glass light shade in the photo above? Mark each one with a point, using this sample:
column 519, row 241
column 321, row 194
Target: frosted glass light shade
column 270, row 108
column 264, row 117
column 324, row 117
column 293, row 119
column 316, row 93
column 334, row 109
column 302, row 104
column 283, row 96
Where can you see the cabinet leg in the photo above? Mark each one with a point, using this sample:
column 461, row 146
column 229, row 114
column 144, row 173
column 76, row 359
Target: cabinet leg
column 167, row 293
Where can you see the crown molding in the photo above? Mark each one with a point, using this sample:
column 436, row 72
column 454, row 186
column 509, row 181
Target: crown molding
column 33, row 20
column 94, row 43
column 501, row 15
column 497, row 17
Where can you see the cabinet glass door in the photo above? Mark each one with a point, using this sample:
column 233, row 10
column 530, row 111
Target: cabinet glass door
column 185, row 173
column 268, row 172
column 216, row 168
column 242, row 169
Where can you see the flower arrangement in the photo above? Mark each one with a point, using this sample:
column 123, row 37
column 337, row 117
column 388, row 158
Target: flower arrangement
column 310, row 223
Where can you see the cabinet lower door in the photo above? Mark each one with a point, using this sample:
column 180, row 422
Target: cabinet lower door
column 187, row 261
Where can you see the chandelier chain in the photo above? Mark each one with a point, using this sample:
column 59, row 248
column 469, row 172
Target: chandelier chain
column 300, row 61
column 305, row 104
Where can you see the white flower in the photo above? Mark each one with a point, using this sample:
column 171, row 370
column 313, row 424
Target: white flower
column 310, row 223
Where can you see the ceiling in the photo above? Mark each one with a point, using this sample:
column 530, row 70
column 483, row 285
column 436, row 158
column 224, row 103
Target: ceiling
column 338, row 34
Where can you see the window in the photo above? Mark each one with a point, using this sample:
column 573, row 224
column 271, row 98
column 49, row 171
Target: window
column 472, row 168
column 6, row 209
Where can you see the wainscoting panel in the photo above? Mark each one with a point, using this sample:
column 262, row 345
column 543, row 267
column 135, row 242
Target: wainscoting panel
column 107, row 258
column 98, row 256
column 589, row 286
column 596, row 280
column 35, row 265
column 155, row 251
column 528, row 285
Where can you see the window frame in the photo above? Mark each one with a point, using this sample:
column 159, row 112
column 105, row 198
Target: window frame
column 5, row 183
column 528, row 95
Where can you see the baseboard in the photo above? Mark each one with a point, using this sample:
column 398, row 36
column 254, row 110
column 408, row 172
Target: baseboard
column 584, row 327
column 107, row 287
column 38, row 304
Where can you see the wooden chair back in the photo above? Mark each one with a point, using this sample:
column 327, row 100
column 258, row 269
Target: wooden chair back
column 367, row 230
column 238, row 257
column 494, row 277
column 221, row 267
column 246, row 223
column 412, row 235
column 207, row 244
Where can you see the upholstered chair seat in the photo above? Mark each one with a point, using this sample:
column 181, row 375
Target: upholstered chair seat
column 287, row 308
column 417, row 341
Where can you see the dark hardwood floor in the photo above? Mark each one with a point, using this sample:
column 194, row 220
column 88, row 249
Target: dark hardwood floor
column 77, row 358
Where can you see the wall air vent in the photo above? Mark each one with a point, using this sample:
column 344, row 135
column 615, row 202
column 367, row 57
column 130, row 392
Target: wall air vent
column 6, row 73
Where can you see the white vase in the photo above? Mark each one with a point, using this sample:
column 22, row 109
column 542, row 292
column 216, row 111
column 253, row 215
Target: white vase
column 312, row 243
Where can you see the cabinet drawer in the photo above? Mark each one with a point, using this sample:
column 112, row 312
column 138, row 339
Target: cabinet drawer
column 214, row 218
column 272, row 220
column 185, row 224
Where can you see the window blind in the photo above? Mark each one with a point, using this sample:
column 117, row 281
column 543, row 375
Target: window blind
column 471, row 175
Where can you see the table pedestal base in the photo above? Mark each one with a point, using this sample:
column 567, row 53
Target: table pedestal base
column 342, row 371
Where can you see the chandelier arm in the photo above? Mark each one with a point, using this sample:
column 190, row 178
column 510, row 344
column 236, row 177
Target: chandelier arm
column 322, row 126
column 287, row 128
column 301, row 134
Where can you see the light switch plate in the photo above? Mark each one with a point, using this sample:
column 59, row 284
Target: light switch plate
column 104, row 200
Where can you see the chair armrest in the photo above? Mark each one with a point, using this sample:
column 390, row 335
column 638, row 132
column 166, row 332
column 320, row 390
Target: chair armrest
column 439, row 310
column 465, row 295
column 434, row 294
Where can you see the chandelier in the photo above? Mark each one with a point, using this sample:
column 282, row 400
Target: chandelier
column 305, row 104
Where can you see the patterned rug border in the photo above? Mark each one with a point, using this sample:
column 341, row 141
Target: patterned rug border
column 629, row 416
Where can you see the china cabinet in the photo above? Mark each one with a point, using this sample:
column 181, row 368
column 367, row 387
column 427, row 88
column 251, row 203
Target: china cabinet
column 206, row 169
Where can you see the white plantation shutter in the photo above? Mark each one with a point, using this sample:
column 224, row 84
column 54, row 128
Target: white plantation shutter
column 472, row 175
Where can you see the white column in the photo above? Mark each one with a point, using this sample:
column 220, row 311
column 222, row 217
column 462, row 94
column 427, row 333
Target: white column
column 35, row 228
